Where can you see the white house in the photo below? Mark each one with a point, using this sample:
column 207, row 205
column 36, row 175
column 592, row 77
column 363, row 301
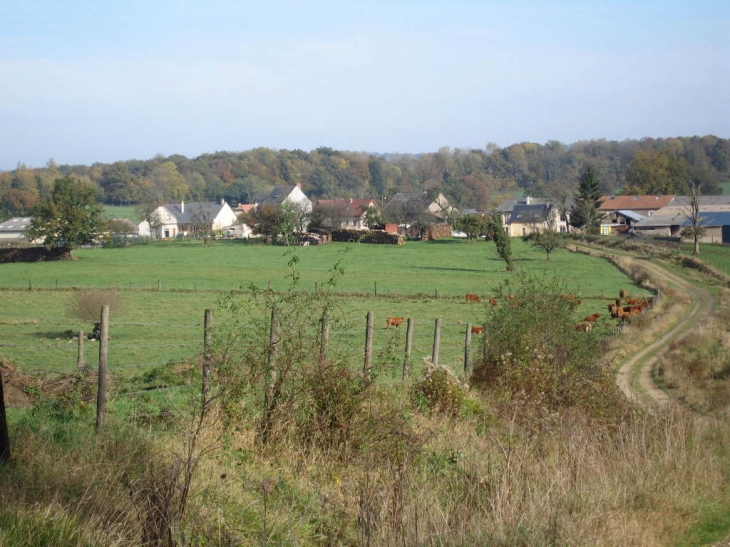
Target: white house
column 291, row 198
column 187, row 219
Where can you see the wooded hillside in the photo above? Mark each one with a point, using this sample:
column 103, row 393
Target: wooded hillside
column 469, row 178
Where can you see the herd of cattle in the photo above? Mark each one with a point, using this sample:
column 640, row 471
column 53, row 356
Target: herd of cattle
column 623, row 309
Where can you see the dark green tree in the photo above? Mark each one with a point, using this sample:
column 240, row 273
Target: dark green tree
column 503, row 243
column 548, row 239
column 585, row 214
column 69, row 217
column 473, row 226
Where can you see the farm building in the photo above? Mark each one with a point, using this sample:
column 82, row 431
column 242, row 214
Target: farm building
column 14, row 230
column 670, row 219
column 716, row 225
column 187, row 219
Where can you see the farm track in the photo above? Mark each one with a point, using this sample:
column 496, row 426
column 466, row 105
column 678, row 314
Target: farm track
column 635, row 376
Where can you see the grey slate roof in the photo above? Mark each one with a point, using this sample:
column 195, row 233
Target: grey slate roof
column 190, row 213
column 277, row 195
column 410, row 201
column 533, row 213
column 510, row 203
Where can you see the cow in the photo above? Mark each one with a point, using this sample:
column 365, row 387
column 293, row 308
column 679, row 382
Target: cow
column 472, row 298
column 492, row 301
column 393, row 321
column 592, row 318
column 583, row 327
column 477, row 330
column 623, row 294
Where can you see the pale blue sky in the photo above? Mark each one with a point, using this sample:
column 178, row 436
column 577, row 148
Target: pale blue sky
column 107, row 80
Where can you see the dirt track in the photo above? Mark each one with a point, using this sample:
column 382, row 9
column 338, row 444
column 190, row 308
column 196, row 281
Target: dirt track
column 638, row 384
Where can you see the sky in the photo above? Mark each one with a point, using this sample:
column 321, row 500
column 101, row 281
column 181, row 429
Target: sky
column 109, row 80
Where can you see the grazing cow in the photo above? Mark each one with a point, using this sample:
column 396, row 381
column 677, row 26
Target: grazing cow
column 393, row 321
column 583, row 327
column 477, row 330
column 623, row 294
column 472, row 297
column 592, row 318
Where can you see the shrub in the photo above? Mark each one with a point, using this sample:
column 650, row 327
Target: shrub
column 534, row 350
column 86, row 304
column 439, row 391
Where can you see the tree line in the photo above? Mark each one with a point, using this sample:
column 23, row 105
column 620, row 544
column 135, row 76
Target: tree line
column 469, row 178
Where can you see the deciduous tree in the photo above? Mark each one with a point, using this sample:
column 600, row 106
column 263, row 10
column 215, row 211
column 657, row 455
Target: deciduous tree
column 69, row 217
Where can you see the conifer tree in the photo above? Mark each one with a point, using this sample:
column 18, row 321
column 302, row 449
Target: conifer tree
column 585, row 214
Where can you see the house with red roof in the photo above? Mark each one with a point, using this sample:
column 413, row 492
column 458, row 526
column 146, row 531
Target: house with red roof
column 622, row 212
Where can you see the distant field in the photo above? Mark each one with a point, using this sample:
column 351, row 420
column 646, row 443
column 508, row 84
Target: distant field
column 717, row 256
column 122, row 211
column 453, row 267
column 159, row 327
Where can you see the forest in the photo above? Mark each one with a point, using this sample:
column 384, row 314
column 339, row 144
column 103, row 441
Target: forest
column 470, row 178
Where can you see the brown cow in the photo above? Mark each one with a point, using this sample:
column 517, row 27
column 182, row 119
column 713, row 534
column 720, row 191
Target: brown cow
column 592, row 318
column 583, row 327
column 623, row 294
column 492, row 301
column 477, row 330
column 472, row 297
column 393, row 321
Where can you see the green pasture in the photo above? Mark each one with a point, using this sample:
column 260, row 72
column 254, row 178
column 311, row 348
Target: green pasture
column 158, row 327
column 130, row 212
column 716, row 256
column 453, row 267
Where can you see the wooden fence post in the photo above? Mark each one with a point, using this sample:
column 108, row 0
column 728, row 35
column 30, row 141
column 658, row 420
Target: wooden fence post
column 159, row 285
column 30, row 284
column 467, row 349
column 103, row 349
column 207, row 343
column 437, row 293
column 409, row 346
column 270, row 378
column 375, row 288
column 324, row 342
column 368, row 347
column 436, row 342
column 80, row 355
column 4, row 437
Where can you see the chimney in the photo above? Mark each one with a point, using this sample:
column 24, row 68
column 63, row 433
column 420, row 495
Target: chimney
column 182, row 206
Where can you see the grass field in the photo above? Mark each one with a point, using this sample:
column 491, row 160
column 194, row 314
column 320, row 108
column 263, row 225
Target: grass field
column 165, row 326
column 130, row 212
